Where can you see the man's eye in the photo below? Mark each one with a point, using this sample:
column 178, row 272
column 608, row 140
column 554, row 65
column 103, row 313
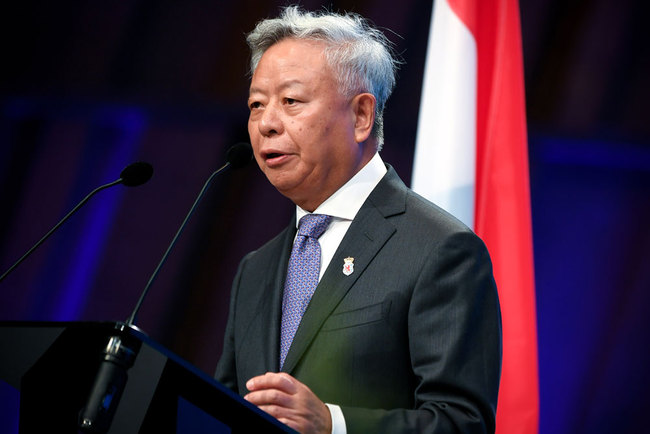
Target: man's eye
column 290, row 101
column 254, row 105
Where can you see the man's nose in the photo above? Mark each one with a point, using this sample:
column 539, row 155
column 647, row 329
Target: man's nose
column 270, row 122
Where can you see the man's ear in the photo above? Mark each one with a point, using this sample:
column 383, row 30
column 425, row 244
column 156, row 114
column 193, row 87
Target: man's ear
column 364, row 111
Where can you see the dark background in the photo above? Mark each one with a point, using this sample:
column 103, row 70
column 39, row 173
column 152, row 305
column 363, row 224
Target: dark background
column 88, row 87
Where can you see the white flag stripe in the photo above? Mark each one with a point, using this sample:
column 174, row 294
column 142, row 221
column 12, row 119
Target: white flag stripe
column 444, row 168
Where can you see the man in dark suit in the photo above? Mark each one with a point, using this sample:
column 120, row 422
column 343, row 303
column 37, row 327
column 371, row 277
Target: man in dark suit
column 385, row 308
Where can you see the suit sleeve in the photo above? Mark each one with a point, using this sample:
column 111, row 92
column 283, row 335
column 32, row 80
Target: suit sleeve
column 226, row 372
column 454, row 331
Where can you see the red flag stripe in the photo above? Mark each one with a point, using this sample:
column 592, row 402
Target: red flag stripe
column 502, row 207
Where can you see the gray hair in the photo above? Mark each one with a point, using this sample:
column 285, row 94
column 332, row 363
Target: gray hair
column 360, row 54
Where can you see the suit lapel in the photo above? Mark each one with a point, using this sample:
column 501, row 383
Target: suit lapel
column 366, row 236
column 269, row 309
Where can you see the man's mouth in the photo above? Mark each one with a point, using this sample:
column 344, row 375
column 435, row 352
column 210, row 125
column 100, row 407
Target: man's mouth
column 275, row 159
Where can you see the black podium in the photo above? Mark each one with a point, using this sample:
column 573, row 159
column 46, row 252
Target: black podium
column 105, row 377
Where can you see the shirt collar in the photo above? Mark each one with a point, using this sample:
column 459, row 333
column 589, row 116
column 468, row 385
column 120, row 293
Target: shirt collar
column 347, row 200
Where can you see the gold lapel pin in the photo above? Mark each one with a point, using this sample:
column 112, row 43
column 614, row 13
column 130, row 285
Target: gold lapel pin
column 348, row 266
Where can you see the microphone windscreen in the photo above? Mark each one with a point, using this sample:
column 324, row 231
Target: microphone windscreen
column 239, row 155
column 136, row 174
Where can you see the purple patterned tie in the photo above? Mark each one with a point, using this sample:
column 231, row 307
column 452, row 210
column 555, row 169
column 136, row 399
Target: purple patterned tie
column 302, row 277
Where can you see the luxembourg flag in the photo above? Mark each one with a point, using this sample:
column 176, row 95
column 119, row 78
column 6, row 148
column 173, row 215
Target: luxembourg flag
column 471, row 159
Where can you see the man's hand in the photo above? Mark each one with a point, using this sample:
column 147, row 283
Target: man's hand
column 289, row 401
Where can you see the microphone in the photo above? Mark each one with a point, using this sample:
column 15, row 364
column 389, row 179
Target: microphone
column 119, row 355
column 136, row 174
column 237, row 156
column 133, row 175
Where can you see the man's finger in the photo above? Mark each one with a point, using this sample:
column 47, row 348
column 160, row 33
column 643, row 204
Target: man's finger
column 272, row 380
column 269, row 397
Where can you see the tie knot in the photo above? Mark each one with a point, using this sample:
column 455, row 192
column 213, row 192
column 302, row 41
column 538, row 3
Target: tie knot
column 313, row 225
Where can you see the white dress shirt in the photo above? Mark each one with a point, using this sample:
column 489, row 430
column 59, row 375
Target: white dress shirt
column 343, row 206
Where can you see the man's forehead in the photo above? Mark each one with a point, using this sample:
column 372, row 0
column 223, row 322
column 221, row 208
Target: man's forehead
column 295, row 52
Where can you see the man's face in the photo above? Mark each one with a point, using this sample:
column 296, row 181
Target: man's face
column 303, row 131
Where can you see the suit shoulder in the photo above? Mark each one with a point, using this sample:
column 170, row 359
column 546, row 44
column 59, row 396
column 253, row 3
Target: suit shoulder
column 269, row 250
column 428, row 214
column 392, row 198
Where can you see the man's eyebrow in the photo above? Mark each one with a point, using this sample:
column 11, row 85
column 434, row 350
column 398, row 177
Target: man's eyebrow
column 284, row 85
column 254, row 90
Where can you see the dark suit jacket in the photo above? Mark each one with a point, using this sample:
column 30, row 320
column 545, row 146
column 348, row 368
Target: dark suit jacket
column 409, row 342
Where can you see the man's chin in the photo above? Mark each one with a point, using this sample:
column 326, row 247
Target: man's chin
column 288, row 193
column 294, row 194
